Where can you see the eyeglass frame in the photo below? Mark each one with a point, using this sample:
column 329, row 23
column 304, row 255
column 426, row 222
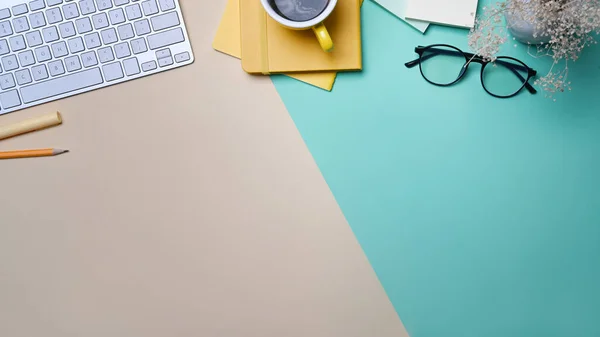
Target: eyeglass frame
column 470, row 58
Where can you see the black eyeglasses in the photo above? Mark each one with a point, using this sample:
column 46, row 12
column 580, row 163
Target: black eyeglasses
column 444, row 65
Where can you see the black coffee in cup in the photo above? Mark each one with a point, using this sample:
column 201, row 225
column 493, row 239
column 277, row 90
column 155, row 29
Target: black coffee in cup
column 299, row 10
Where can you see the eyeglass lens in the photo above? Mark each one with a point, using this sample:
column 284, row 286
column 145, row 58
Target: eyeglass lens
column 442, row 65
column 504, row 77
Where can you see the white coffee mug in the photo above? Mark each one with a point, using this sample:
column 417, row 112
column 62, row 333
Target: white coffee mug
column 315, row 24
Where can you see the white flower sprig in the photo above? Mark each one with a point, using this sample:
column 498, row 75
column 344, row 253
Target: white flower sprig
column 566, row 26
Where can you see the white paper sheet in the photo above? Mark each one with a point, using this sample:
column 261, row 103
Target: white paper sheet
column 398, row 8
column 457, row 13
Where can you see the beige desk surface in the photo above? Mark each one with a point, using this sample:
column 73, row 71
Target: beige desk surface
column 189, row 206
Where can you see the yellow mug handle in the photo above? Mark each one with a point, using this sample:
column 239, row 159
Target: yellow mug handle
column 323, row 37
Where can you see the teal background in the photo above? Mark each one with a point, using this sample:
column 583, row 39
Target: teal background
column 480, row 216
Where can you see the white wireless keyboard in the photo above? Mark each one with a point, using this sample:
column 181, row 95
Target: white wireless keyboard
column 51, row 49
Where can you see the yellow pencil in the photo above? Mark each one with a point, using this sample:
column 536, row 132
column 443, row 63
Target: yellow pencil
column 31, row 153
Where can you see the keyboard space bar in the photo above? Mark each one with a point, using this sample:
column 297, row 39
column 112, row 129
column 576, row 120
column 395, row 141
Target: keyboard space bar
column 61, row 85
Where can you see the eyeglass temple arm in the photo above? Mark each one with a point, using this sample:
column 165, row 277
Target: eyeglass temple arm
column 411, row 63
column 512, row 67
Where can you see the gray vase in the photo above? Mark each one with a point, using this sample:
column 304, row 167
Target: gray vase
column 523, row 31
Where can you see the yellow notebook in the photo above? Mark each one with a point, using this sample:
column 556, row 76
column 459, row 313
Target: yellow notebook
column 227, row 41
column 268, row 47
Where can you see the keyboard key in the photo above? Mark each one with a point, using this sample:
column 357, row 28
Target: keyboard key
column 53, row 2
column 121, row 2
column 67, row 29
column 142, row 27
column 10, row 62
column 34, row 38
column 21, row 24
column 17, row 43
column 182, row 57
column 166, row 38
column 42, row 54
column 62, row 85
column 164, row 21
column 125, row 32
column 56, row 68
column 116, row 16
column 4, row 47
column 87, row 7
column 54, row 15
column 7, row 81
column 37, row 20
column 149, row 66
column 76, row 45
column 122, row 50
column 20, row 9
column 103, row 4
column 39, row 72
column 70, row 11
column 133, row 12
column 89, row 59
column 59, row 49
column 166, row 5
column 112, row 71
column 37, row 5
column 4, row 13
column 84, row 25
column 163, row 53
column 50, row 34
column 10, row 99
column 5, row 29
column 26, row 58
column 165, row 61
column 149, row 7
column 109, row 36
column 106, row 54
column 23, row 76
column 100, row 20
column 139, row 46
column 92, row 40
column 132, row 67
column 73, row 63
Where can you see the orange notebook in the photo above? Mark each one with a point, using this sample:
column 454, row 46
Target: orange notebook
column 227, row 41
column 268, row 47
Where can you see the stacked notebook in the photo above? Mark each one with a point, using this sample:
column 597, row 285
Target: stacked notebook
column 420, row 13
column 266, row 47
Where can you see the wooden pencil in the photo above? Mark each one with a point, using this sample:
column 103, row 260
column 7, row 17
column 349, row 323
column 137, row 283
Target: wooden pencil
column 29, row 125
column 31, row 153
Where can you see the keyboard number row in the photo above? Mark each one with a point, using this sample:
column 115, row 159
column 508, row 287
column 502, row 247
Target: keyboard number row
column 51, row 34
column 67, row 30
column 54, row 16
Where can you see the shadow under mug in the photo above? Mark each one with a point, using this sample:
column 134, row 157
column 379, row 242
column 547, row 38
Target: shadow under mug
column 315, row 24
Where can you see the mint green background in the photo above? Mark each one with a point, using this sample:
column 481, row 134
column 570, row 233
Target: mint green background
column 480, row 216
